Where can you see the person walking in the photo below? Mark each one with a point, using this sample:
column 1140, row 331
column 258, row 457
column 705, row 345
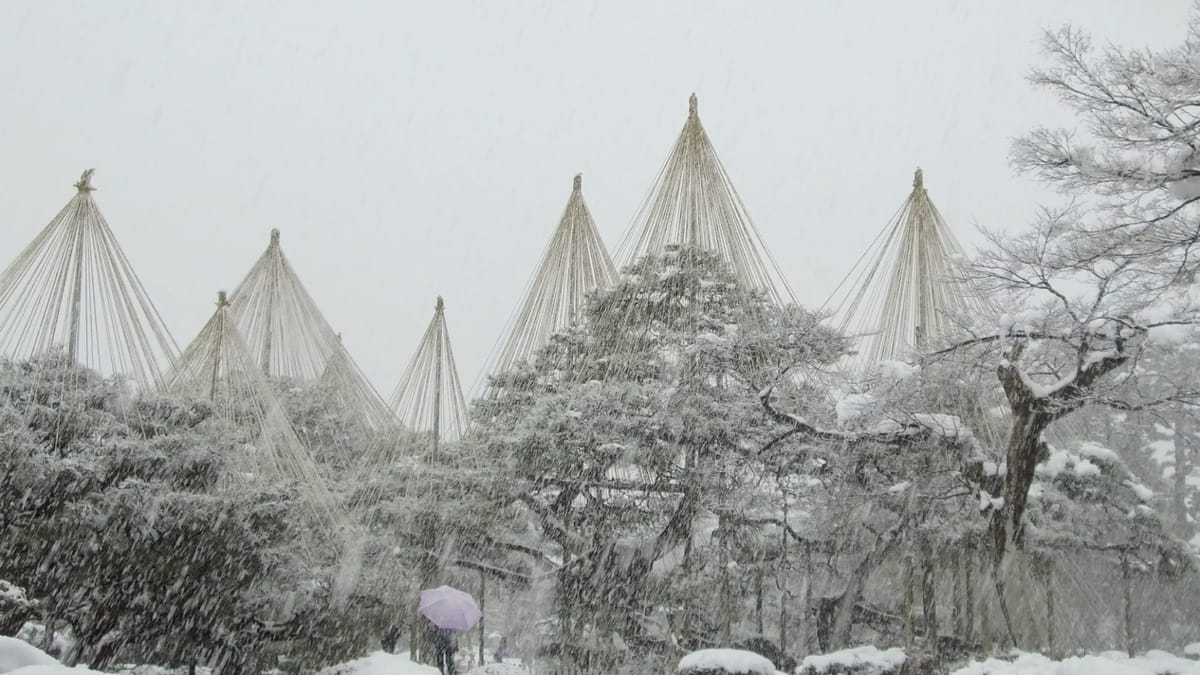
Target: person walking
column 501, row 650
column 445, row 644
column 391, row 637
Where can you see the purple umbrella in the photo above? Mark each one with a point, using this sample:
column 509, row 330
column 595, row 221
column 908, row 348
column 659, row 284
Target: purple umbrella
column 448, row 607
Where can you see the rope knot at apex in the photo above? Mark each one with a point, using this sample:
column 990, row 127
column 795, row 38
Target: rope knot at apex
column 578, row 182
column 919, row 179
column 222, row 300
column 693, row 105
column 440, row 305
column 275, row 235
column 85, row 181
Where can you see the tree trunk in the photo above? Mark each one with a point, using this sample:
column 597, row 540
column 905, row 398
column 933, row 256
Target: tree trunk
column 908, row 602
column 758, row 600
column 843, row 619
column 726, row 597
column 929, row 595
column 1131, row 646
column 1051, row 638
column 985, row 613
column 783, row 594
column 956, row 609
column 1182, row 468
column 808, row 599
column 969, row 560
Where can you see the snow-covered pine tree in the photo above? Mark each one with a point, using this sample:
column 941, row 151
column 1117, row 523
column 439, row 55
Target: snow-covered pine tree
column 636, row 442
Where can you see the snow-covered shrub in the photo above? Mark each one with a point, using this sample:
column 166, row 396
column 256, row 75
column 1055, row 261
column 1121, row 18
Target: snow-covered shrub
column 15, row 607
column 863, row 660
column 725, row 662
column 114, row 518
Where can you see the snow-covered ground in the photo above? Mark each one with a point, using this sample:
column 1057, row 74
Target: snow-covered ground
column 20, row 658
column 16, row 654
column 380, row 663
column 1108, row 663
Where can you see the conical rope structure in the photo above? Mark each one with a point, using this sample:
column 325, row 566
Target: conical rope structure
column 693, row 204
column 906, row 290
column 908, row 294
column 219, row 368
column 289, row 337
column 429, row 398
column 429, row 406
column 692, row 221
column 73, row 288
column 574, row 264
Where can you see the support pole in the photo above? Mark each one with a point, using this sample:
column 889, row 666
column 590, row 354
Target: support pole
column 427, row 534
column 274, row 259
column 437, row 373
column 84, row 186
column 222, row 317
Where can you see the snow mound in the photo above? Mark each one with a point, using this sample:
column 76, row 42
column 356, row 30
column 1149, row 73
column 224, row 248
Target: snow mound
column 865, row 659
column 17, row 654
column 379, row 663
column 1109, row 663
column 56, row 669
column 731, row 661
column 35, row 634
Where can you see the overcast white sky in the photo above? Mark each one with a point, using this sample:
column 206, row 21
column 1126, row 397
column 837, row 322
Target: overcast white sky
column 410, row 149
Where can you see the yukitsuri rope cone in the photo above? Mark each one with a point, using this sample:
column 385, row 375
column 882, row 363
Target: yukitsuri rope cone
column 574, row 264
column 907, row 289
column 73, row 289
column 217, row 367
column 906, row 294
column 429, row 405
column 693, row 204
column 693, row 220
column 289, row 337
column 429, row 398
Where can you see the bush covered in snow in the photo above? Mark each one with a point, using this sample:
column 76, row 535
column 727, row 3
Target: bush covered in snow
column 115, row 518
column 15, row 607
column 864, row 660
column 725, row 662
